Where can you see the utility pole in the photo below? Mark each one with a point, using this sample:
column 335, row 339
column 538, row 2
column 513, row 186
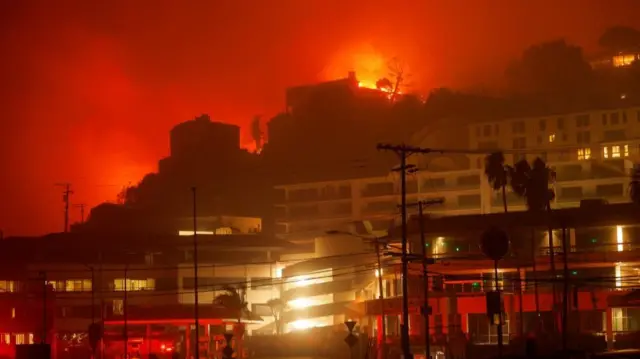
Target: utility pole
column 81, row 206
column 565, row 292
column 403, row 151
column 66, row 196
column 43, row 275
column 126, row 314
column 196, row 314
column 426, row 311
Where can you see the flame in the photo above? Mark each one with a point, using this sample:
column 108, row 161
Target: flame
column 368, row 64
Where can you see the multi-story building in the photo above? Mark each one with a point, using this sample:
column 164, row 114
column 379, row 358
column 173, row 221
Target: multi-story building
column 591, row 152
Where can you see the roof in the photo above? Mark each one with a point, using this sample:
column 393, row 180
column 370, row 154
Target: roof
column 586, row 216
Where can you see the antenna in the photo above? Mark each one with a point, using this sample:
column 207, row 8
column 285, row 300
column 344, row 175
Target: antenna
column 81, row 206
column 66, row 194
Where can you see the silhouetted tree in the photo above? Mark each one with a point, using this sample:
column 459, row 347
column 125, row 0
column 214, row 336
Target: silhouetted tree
column 634, row 185
column 554, row 72
column 620, row 38
column 531, row 182
column 397, row 71
column 498, row 174
column 384, row 84
column 277, row 306
column 234, row 300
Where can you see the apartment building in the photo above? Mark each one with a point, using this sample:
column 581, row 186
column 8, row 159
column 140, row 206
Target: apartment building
column 592, row 153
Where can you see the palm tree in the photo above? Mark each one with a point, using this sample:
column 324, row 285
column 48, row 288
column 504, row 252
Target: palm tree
column 634, row 185
column 532, row 183
column 497, row 174
column 277, row 306
column 233, row 299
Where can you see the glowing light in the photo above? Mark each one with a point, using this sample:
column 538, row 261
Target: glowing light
column 620, row 238
column 302, row 324
column 302, row 281
column 278, row 272
column 301, row 303
column 190, row 233
column 618, row 275
column 377, row 272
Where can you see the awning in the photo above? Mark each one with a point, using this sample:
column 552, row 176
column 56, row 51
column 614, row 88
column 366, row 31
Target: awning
column 631, row 299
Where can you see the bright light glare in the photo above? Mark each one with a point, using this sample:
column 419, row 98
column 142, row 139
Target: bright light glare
column 302, row 324
column 618, row 275
column 301, row 281
column 377, row 272
column 620, row 238
column 190, row 233
column 278, row 272
column 300, row 303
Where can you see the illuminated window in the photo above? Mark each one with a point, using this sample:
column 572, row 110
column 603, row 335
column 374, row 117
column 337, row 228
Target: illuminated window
column 626, row 150
column 30, row 338
column 5, row 338
column 552, row 138
column 134, row 284
column 8, row 286
column 605, row 152
column 118, row 306
column 70, row 285
column 19, row 339
column 615, row 151
column 13, row 312
column 584, row 153
column 623, row 60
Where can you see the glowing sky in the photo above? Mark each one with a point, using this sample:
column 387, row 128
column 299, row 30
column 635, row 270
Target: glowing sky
column 90, row 89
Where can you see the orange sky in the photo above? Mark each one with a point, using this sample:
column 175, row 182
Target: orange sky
column 90, row 89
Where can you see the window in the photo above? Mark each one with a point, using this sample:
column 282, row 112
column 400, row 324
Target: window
column 8, row 286
column 605, row 152
column 487, row 130
column 565, row 137
column 584, row 153
column 626, row 150
column 518, row 127
column 624, row 117
column 604, row 118
column 560, row 123
column 134, row 284
column 519, row 142
column 71, row 285
column 583, row 137
column 615, row 151
column 582, row 120
column 118, row 306
column 539, row 139
column 552, row 138
column 615, row 118
column 478, row 131
column 496, row 129
column 543, row 125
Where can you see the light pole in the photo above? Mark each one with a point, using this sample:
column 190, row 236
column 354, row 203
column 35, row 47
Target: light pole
column 196, row 314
